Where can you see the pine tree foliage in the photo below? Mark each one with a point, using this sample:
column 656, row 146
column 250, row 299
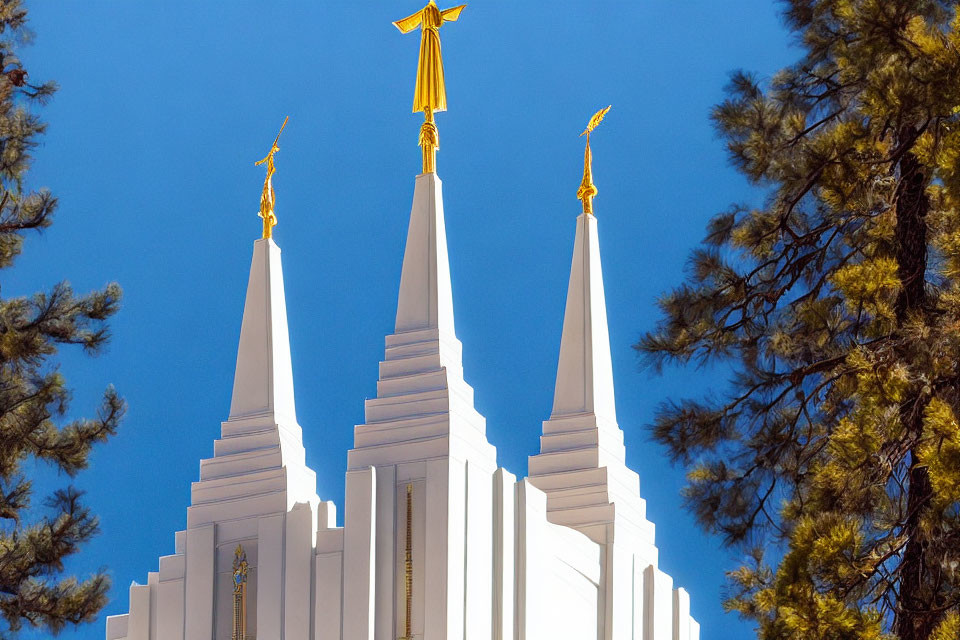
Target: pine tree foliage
column 836, row 303
column 36, row 539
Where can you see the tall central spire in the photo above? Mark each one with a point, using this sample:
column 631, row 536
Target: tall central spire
column 426, row 299
column 422, row 431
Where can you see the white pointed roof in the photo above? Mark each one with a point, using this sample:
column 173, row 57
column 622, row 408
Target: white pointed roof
column 582, row 461
column 259, row 463
column 584, row 373
column 426, row 300
column 424, row 408
column 263, row 381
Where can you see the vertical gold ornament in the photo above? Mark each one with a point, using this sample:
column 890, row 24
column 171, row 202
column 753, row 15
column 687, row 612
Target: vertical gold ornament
column 429, row 141
column 587, row 189
column 239, row 594
column 267, row 196
column 430, row 91
column 408, row 570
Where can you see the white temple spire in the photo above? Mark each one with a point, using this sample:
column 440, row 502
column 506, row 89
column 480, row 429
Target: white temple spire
column 421, row 431
column 584, row 374
column 581, row 450
column 263, row 382
column 425, row 300
column 259, row 456
column 423, row 404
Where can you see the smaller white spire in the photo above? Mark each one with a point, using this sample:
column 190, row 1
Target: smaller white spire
column 259, row 465
column 263, row 382
column 582, row 461
column 585, row 373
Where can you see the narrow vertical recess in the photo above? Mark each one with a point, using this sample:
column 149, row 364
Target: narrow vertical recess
column 466, row 541
column 240, row 594
column 408, row 568
column 633, row 597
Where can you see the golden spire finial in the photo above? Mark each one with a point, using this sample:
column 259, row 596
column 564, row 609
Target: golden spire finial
column 587, row 189
column 430, row 92
column 267, row 198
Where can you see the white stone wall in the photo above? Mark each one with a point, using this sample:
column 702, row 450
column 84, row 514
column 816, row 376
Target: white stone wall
column 530, row 580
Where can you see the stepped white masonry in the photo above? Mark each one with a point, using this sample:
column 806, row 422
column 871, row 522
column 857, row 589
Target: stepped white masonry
column 256, row 491
column 261, row 443
column 437, row 543
column 582, row 460
column 422, row 430
column 582, row 463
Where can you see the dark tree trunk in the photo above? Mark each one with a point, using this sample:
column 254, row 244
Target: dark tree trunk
column 911, row 238
column 914, row 619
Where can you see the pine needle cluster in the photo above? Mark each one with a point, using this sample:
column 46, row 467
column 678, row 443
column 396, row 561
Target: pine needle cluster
column 34, row 400
column 834, row 456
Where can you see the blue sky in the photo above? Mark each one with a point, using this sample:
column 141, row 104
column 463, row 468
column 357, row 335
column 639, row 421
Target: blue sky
column 165, row 106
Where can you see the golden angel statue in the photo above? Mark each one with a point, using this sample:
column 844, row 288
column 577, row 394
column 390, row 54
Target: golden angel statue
column 267, row 196
column 430, row 92
column 587, row 189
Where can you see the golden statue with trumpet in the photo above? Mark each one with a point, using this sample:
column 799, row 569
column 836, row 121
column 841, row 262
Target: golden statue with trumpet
column 267, row 196
column 587, row 189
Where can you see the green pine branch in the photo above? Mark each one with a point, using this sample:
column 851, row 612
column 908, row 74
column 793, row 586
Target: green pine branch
column 35, row 591
column 836, row 304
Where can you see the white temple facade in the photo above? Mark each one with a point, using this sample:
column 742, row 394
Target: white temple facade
column 437, row 542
